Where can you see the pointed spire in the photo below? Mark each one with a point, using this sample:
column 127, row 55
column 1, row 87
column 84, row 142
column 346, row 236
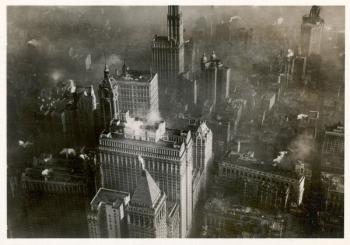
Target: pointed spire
column 204, row 58
column 147, row 192
column 203, row 61
column 106, row 69
column 124, row 69
column 213, row 55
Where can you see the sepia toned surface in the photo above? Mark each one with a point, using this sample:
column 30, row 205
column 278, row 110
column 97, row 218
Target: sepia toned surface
column 175, row 121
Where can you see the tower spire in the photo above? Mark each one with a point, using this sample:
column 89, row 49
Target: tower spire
column 124, row 69
column 175, row 25
column 106, row 69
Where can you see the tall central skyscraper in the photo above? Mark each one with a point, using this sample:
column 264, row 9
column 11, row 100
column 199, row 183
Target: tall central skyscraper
column 168, row 54
column 167, row 157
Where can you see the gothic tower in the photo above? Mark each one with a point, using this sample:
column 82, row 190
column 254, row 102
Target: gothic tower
column 168, row 58
column 108, row 93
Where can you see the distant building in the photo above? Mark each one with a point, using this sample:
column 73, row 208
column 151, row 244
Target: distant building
column 300, row 63
column 189, row 56
column 311, row 32
column 107, row 217
column 332, row 218
column 334, row 188
column 232, row 31
column 333, row 149
column 259, row 184
column 307, row 123
column 167, row 156
column 86, row 116
column 334, row 140
column 213, row 81
column 267, row 102
column 221, row 128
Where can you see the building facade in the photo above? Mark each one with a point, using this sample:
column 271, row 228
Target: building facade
column 202, row 158
column 137, row 92
column 132, row 91
column 261, row 185
column 333, row 149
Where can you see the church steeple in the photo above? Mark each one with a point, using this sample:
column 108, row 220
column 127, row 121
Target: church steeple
column 175, row 25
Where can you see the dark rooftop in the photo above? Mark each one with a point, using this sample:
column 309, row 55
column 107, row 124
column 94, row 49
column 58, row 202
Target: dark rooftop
column 250, row 162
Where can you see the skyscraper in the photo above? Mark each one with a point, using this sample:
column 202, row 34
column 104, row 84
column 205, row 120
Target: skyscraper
column 214, row 81
column 137, row 92
column 132, row 91
column 108, row 93
column 86, row 108
column 168, row 53
column 202, row 157
column 167, row 157
column 311, row 32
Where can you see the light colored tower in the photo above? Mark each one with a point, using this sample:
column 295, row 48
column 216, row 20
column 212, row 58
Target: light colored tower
column 147, row 212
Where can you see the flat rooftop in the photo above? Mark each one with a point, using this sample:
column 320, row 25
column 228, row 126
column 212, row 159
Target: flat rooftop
column 135, row 76
column 159, row 144
column 254, row 164
column 109, row 196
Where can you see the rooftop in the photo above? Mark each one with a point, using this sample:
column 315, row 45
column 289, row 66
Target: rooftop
column 142, row 132
column 135, row 76
column 110, row 196
column 248, row 161
column 63, row 168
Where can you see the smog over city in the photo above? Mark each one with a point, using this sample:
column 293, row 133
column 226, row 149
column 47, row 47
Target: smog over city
column 175, row 121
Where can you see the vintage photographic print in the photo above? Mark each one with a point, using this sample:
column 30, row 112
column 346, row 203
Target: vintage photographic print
column 175, row 121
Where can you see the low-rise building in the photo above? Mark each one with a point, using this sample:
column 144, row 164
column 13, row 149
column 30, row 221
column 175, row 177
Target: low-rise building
column 260, row 184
